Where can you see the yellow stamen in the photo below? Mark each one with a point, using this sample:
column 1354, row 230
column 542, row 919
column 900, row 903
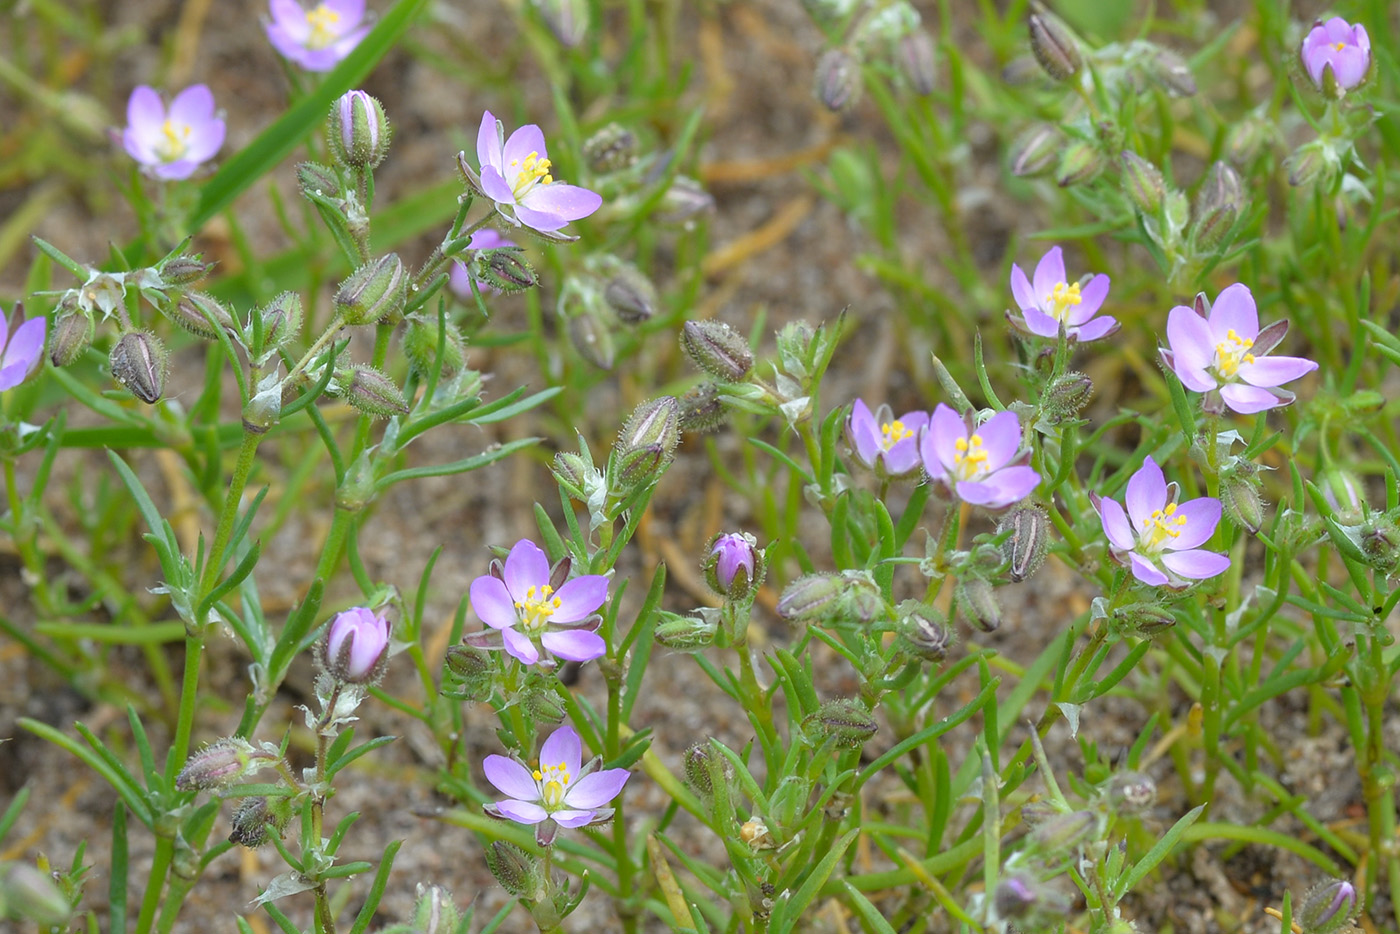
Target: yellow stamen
column 891, row 433
column 1063, row 297
column 176, row 141
column 969, row 460
column 531, row 172
column 554, row 782
column 535, row 611
column 322, row 22
column 1160, row 526
column 1339, row 46
column 1232, row 353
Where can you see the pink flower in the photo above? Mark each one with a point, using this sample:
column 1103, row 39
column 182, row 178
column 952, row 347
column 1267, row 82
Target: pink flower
column 21, row 347
column 885, row 444
column 356, row 645
column 459, row 280
column 515, row 173
column 171, row 145
column 1050, row 300
column 1341, row 47
column 1220, row 350
column 561, row 791
column 520, row 601
column 734, row 565
column 980, row 465
column 316, row 39
column 1156, row 537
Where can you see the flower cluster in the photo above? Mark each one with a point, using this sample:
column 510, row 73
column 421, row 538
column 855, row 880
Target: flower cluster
column 171, row 144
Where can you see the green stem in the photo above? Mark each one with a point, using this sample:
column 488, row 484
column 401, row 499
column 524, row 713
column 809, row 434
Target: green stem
column 242, row 468
column 155, row 883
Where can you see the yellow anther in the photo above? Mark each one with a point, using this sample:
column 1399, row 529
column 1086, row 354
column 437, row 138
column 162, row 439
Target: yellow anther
column 1339, row 46
column 537, row 607
column 970, row 461
column 176, row 141
column 894, row 432
column 532, row 171
column 1232, row 353
column 322, row 22
column 1063, row 297
column 1159, row 527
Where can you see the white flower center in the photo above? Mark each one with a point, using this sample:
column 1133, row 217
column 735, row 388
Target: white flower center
column 891, row 433
column 176, row 142
column 1063, row 297
column 1160, row 527
column 323, row 27
column 554, row 783
column 529, row 173
column 1231, row 353
column 536, row 609
column 970, row 460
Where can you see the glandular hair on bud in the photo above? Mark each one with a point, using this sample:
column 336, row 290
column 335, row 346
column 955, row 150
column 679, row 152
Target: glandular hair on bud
column 701, row 408
column 72, row 335
column 1025, row 546
column 199, row 313
column 705, row 770
column 420, row 345
column 281, row 319
column 1242, row 501
column 592, row 338
column 846, row 722
column 630, row 295
column 838, row 79
column 1080, row 162
column 1143, row 619
column 925, row 632
column 653, row 423
column 1054, row 46
column 321, row 181
column 683, row 202
column 468, row 674
column 29, row 893
column 717, row 349
column 1219, row 203
column 139, row 362
column 685, row 633
column 1173, row 73
column 1063, row 832
column 435, row 911
column 517, row 871
column 1133, row 792
column 371, row 391
column 254, row 822
column 1066, row 396
column 219, row 764
column 359, row 132
column 374, row 292
column 504, row 268
column 184, row 269
column 978, row 603
column 1143, row 184
column 916, row 60
column 811, row 597
column 1328, row 907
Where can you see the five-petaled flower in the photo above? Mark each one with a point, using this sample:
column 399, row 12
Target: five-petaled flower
column 516, row 174
column 1157, row 537
column 316, row 39
column 527, row 606
column 1050, row 300
column 560, row 792
column 460, row 280
column 1340, row 47
column 1220, row 350
column 21, row 346
column 885, row 444
column 172, row 144
column 982, row 465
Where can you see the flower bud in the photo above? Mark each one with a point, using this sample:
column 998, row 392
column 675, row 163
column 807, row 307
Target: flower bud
column 630, row 294
column 355, row 647
column 1173, row 73
column 1239, row 495
column 685, row 633
column 925, row 632
column 359, row 132
column 917, row 61
column 435, row 911
column 847, row 722
column 706, row 772
column 256, row 819
column 280, row 319
column 184, row 269
column 978, row 603
column 1328, row 907
column 1344, row 492
column 420, row 346
column 701, row 408
column 838, row 79
column 592, row 337
column 199, row 313
column 139, row 362
column 468, row 674
column 571, row 472
column 1143, row 184
column 684, row 201
column 1064, row 832
column 263, row 410
column 371, row 391
column 1036, row 149
column 72, row 335
column 1015, row 896
column 318, row 181
column 220, row 764
column 29, row 893
column 646, row 443
column 1380, row 543
column 1066, row 396
column 811, row 597
column 1024, row 548
column 373, row 292
column 1248, row 136
column 1142, row 619
column 518, row 872
column 734, row 565
column 1133, row 792
column 1311, row 163
column 611, row 149
column 1219, row 203
column 504, row 268
column 567, row 19
column 717, row 349
column 1054, row 46
column 1080, row 162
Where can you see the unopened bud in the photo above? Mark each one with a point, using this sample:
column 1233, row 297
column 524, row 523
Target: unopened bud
column 734, row 565
column 685, row 633
column 375, row 291
column 1143, row 184
column 1380, row 543
column 811, row 597
column 356, row 646
column 1133, row 792
column 199, row 313
column 1066, row 396
column 28, row 893
column 1142, row 619
column 1344, row 493
column 371, row 391
column 1239, row 495
column 706, row 771
column 701, row 408
column 435, row 912
column 220, row 764
column 1054, row 46
column 630, row 294
column 611, row 149
column 281, row 319
column 684, row 201
column 420, row 346
column 916, row 59
column 1311, row 163
column 139, row 363
column 567, row 19
column 358, row 133
column 978, row 603
column 1036, row 149
column 1219, row 203
column 847, row 722
column 263, row 410
column 256, row 819
column 925, row 632
column 1024, row 549
column 571, row 472
column 184, row 269
column 838, row 79
column 717, row 349
column 518, row 872
column 592, row 338
column 468, row 673
column 318, row 181
column 504, row 268
column 72, row 335
column 1173, row 73
column 1080, row 162
column 646, row 442
column 1016, row 896
column 1248, row 136
column 1328, row 907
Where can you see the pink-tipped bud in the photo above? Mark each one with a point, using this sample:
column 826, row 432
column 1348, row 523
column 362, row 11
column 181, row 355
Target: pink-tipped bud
column 359, row 131
column 356, row 646
column 734, row 565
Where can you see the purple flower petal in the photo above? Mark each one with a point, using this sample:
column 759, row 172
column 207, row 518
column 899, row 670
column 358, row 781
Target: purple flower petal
column 1196, row 565
column 194, row 106
column 495, row 186
column 1049, row 272
column 1021, row 290
column 1202, row 516
column 1145, row 570
column 493, row 603
column 567, row 201
column 563, row 747
column 1193, row 348
column 519, row 647
column 1248, row 400
column 903, row 456
column 26, row 344
column 526, row 568
column 863, row 433
column 1091, row 299
column 945, row 430
column 205, row 141
column 1098, row 328
column 522, row 812
column 511, row 778
column 1234, row 310
column 1116, row 525
column 285, row 41
column 526, row 141
column 1147, row 493
column 596, row 789
column 290, row 17
column 1013, row 484
column 349, row 11
column 489, row 148
column 1001, row 439
column 542, row 221
column 579, row 597
column 1275, row 371
column 572, row 818
column 575, row 645
column 1040, row 324
column 174, row 171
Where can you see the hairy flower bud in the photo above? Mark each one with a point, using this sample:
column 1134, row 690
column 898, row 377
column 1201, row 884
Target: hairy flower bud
column 420, row 346
column 1132, row 792
column 318, row 181
column 838, row 79
column 1080, row 162
column 701, row 408
column 717, row 349
column 1380, row 543
column 184, row 269
column 1143, row 184
column 811, row 597
column 1024, row 549
column 1344, row 492
column 611, row 149
column 371, row 391
column 1142, row 619
column 1035, row 149
column 978, row 603
column 1015, row 897
column 468, row 674
column 139, row 361
column 72, row 335
column 925, row 632
column 685, row 633
column 917, row 61
column 646, row 443
column 847, row 723
column 199, row 313
column 683, row 202
column 358, row 131
column 706, row 772
column 375, row 291
column 435, row 912
column 1219, row 203
column 29, row 893
column 518, row 872
column 1054, row 46
column 1328, row 907
column 355, row 647
column 220, row 764
column 1063, row 832
column 1248, row 136
column 1172, row 72
column 734, row 565
column 256, row 819
column 1239, row 495
column 630, row 294
column 1066, row 396
column 504, row 268
column 567, row 19
column 592, row 338
column 280, row 319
